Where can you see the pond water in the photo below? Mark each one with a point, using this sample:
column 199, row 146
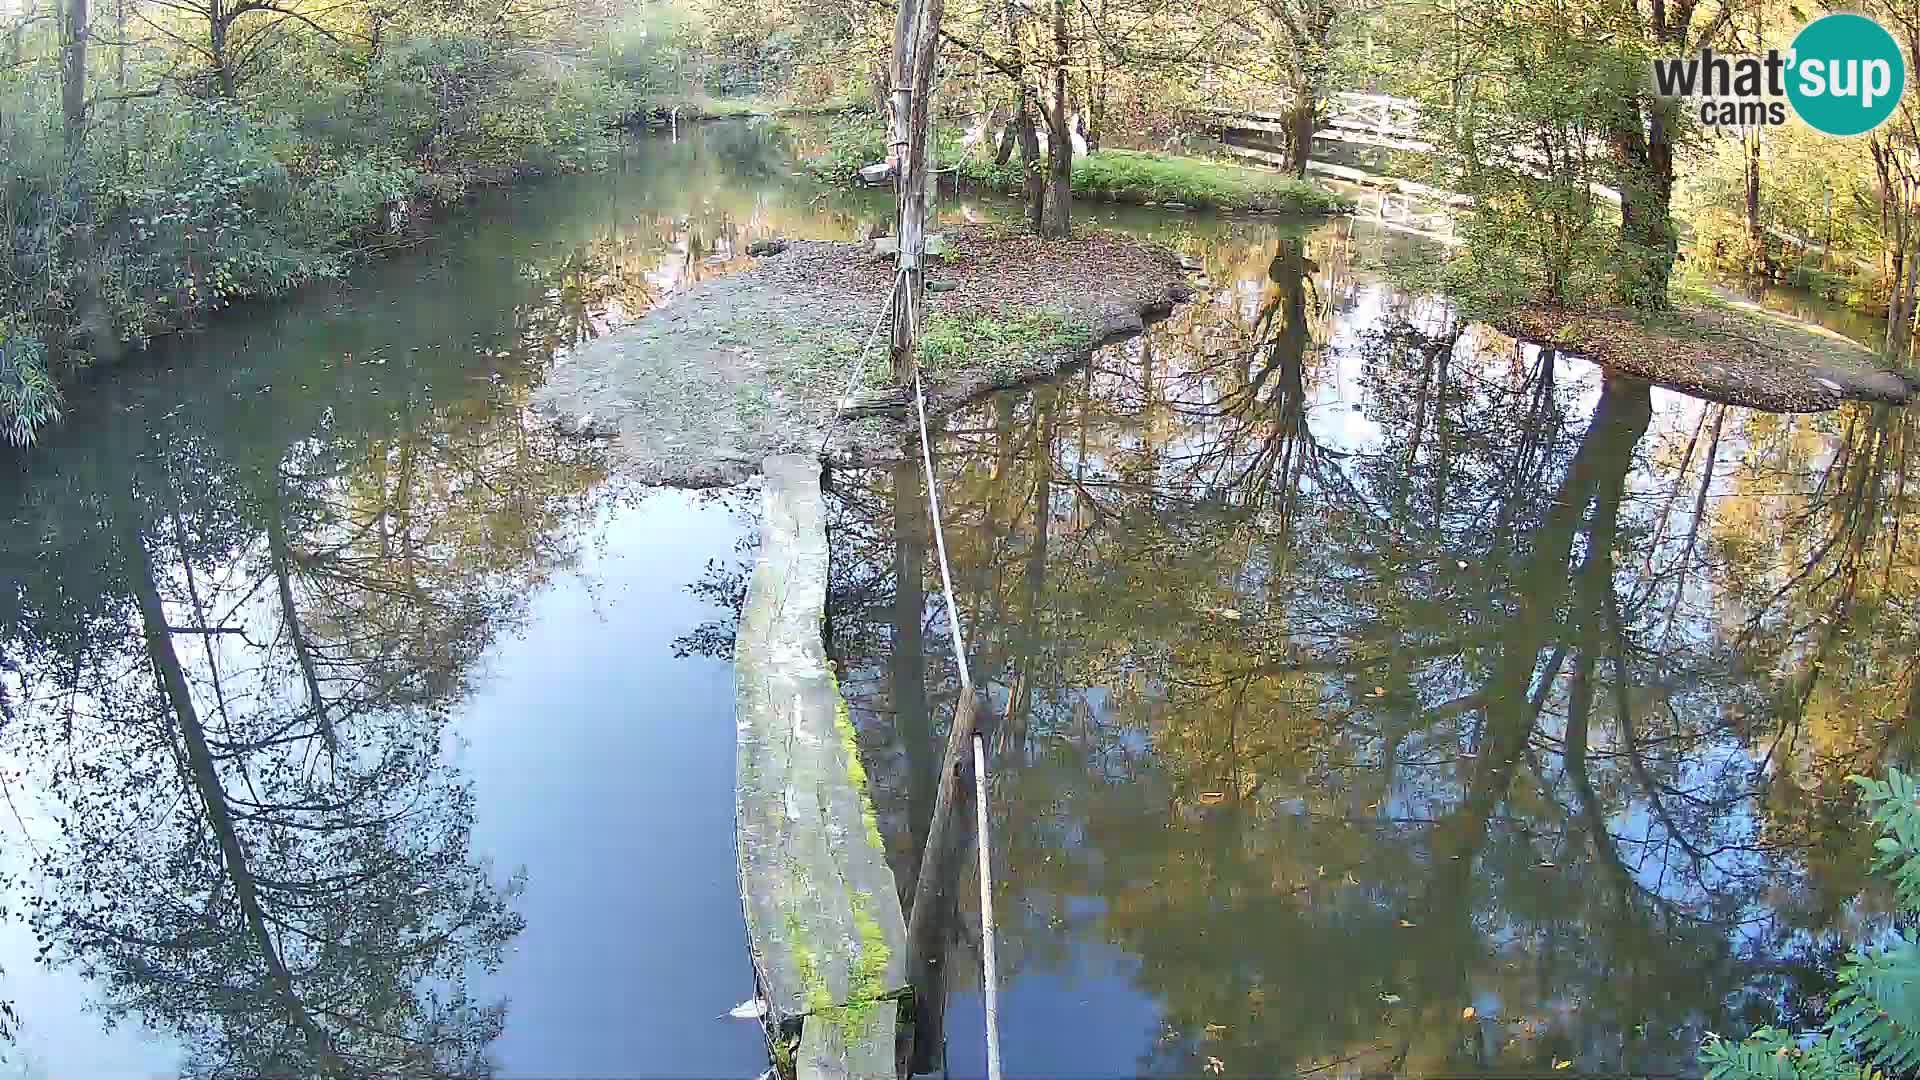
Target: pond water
column 1350, row 669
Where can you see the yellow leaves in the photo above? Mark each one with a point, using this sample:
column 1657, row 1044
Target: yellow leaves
column 1559, row 1065
column 1212, row 798
column 1407, row 924
column 1214, row 1031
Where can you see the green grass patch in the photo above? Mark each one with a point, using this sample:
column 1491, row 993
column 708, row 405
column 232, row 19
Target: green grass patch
column 1136, row 177
column 710, row 107
column 1129, row 176
column 951, row 342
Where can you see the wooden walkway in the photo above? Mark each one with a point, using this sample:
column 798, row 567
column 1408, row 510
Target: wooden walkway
column 823, row 915
column 1393, row 123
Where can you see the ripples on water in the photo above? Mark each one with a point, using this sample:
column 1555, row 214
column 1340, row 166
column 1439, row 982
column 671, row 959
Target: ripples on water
column 1351, row 668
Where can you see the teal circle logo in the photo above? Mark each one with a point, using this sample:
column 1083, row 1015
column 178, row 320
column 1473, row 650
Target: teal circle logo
column 1846, row 74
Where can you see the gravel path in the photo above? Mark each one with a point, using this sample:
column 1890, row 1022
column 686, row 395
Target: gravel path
column 701, row 389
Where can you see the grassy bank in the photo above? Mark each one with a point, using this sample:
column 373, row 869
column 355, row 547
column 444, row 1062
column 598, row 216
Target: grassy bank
column 846, row 144
column 1127, row 176
column 190, row 203
column 1138, row 178
column 661, row 109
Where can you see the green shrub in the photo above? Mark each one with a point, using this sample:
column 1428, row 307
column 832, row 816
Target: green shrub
column 949, row 342
column 29, row 400
column 846, row 145
column 213, row 201
column 1874, row 1026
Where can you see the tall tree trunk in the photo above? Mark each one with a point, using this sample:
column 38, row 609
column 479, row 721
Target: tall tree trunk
column 916, row 47
column 217, row 48
column 1643, row 147
column 86, row 328
column 1896, row 287
column 877, row 84
column 73, row 78
column 1009, row 136
column 1097, row 77
column 1302, row 120
column 1033, row 182
column 1057, row 221
column 206, row 781
column 1826, row 246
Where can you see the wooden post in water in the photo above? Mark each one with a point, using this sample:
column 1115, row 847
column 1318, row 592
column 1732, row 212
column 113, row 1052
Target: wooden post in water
column 935, row 888
column 930, row 897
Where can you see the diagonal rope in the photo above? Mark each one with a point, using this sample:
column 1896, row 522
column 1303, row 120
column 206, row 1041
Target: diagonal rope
column 838, row 414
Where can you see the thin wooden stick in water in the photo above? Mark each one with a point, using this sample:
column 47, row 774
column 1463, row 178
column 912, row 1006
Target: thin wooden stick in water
column 988, row 977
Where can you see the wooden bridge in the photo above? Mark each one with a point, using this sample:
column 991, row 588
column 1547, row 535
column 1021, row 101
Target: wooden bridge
column 1394, row 123
column 1376, row 120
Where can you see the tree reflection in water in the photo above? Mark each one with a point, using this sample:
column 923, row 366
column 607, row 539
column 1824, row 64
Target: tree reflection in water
column 233, row 662
column 1355, row 668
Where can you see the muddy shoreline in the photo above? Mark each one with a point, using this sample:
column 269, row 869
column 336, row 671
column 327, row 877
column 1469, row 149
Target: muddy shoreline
column 758, row 363
column 1729, row 352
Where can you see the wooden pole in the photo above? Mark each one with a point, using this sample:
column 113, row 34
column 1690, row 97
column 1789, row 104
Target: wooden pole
column 916, row 45
column 933, row 887
column 930, row 886
column 989, row 977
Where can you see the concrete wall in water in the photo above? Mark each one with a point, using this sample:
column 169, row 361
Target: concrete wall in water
column 823, row 915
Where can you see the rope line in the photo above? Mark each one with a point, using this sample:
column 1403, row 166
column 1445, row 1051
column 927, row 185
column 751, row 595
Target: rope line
column 940, row 537
column 838, row 413
column 989, row 978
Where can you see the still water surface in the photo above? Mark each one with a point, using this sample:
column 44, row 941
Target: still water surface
column 1352, row 669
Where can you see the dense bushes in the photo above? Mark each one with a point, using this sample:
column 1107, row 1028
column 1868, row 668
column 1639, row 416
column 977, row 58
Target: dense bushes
column 840, row 147
column 178, row 204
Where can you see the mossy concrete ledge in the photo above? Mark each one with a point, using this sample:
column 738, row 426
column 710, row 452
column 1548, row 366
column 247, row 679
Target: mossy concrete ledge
column 823, row 915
